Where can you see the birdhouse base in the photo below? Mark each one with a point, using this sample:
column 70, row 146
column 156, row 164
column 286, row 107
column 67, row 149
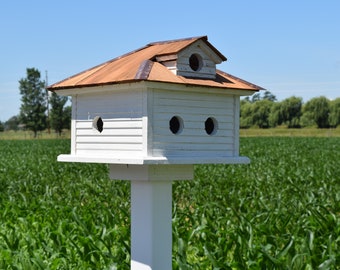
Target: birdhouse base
column 154, row 160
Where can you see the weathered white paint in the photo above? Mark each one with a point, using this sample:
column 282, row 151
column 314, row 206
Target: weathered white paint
column 136, row 125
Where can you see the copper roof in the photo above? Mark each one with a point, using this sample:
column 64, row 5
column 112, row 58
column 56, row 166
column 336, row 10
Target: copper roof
column 142, row 64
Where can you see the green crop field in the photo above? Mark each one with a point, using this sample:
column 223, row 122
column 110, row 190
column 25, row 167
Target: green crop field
column 280, row 212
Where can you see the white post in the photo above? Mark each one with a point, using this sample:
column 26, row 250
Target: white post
column 151, row 225
column 151, row 211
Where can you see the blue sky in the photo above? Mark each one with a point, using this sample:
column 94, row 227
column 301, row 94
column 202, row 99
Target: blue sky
column 288, row 47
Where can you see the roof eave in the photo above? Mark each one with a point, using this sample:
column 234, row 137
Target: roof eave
column 72, row 90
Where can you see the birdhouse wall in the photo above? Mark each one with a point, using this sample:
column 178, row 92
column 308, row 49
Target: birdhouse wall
column 122, row 116
column 193, row 110
column 138, row 127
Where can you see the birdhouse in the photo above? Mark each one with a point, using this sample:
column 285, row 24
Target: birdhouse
column 165, row 103
column 151, row 114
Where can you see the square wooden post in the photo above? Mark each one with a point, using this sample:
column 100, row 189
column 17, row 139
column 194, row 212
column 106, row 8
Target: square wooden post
column 151, row 225
column 151, row 211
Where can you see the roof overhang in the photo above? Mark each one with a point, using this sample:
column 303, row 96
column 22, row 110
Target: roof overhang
column 143, row 85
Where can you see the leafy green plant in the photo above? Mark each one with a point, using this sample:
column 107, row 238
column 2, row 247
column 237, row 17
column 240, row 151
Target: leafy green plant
column 280, row 212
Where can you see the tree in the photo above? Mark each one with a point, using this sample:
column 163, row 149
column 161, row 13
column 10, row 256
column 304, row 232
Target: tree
column 12, row 123
column 291, row 111
column 318, row 109
column 246, row 113
column 256, row 110
column 334, row 115
column 261, row 112
column 57, row 117
column 275, row 117
column 33, row 98
column 255, row 97
column 67, row 114
column 2, row 127
column 269, row 96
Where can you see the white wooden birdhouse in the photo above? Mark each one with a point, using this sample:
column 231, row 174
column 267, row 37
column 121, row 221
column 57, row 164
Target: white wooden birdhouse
column 165, row 103
column 151, row 114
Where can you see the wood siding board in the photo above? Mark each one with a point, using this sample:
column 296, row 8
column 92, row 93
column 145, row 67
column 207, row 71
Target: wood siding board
column 194, row 146
column 117, row 132
column 194, row 103
column 162, row 119
column 189, row 110
column 122, row 104
column 109, row 146
column 110, row 139
column 193, row 134
column 191, row 154
column 189, row 96
column 109, row 153
column 112, row 124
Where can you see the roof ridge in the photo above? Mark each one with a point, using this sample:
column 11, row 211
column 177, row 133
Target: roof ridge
column 144, row 70
column 177, row 40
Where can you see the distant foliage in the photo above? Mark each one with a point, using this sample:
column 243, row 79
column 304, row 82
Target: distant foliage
column 33, row 98
column 318, row 110
column 334, row 115
column 264, row 111
column 12, row 123
column 57, row 115
column 34, row 114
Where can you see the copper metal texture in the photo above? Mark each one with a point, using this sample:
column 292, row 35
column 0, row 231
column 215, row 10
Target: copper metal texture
column 142, row 64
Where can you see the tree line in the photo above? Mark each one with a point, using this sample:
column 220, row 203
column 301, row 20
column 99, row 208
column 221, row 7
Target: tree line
column 264, row 111
column 40, row 110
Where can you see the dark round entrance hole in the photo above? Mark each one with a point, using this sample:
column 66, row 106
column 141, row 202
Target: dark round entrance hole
column 210, row 126
column 195, row 62
column 176, row 124
column 98, row 123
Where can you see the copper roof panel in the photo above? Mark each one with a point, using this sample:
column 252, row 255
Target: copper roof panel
column 141, row 65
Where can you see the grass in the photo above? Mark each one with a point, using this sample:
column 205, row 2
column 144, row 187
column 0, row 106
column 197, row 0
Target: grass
column 290, row 132
column 28, row 135
column 280, row 212
column 251, row 132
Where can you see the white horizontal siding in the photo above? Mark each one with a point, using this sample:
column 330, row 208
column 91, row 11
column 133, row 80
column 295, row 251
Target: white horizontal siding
column 111, row 153
column 193, row 109
column 124, row 104
column 117, row 135
column 122, row 134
